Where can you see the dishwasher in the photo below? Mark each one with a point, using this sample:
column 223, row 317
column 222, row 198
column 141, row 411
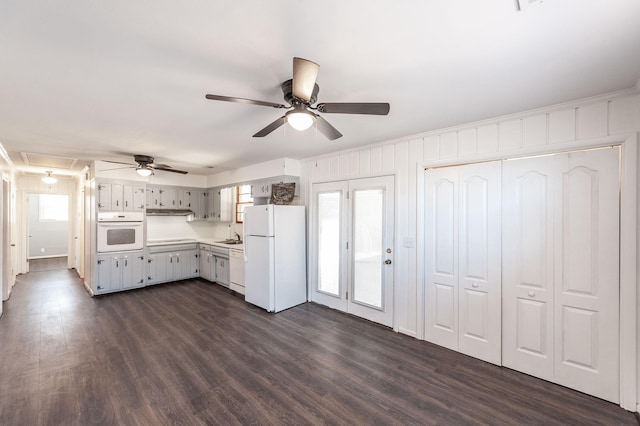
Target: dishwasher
column 236, row 270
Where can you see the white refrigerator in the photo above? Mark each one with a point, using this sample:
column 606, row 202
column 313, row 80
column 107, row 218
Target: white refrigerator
column 275, row 256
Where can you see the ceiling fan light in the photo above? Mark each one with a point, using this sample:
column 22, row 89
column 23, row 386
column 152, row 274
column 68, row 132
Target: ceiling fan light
column 48, row 179
column 144, row 171
column 300, row 120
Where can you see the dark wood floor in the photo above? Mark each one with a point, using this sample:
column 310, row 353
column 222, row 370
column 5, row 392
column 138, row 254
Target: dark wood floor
column 47, row 263
column 193, row 353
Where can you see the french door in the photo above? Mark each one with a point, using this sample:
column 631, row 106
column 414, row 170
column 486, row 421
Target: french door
column 352, row 263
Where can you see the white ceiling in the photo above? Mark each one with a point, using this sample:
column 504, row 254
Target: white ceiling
column 104, row 79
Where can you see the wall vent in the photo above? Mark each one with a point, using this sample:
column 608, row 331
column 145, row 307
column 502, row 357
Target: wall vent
column 523, row 4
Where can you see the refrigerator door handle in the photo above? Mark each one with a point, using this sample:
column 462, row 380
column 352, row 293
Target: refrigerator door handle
column 246, row 248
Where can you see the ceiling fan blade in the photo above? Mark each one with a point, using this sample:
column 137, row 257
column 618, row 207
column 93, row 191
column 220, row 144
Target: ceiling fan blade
column 160, row 166
column 327, row 129
column 305, row 74
column 155, row 167
column 270, row 128
column 118, row 162
column 244, row 101
column 354, row 108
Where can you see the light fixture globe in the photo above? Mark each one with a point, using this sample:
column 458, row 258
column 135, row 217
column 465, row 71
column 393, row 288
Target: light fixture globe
column 144, row 171
column 48, row 179
column 299, row 118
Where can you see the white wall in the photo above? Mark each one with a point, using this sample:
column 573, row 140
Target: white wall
column 608, row 119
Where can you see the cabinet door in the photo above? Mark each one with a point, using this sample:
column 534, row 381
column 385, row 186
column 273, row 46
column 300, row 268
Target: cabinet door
column 214, row 204
column 160, row 268
column 203, row 205
column 261, row 189
column 132, row 266
column 168, row 198
column 222, row 270
column 226, row 204
column 205, row 264
column 108, row 274
column 127, row 198
column 103, row 196
column 138, row 198
column 117, row 197
column 183, row 265
column 194, row 255
column 153, row 198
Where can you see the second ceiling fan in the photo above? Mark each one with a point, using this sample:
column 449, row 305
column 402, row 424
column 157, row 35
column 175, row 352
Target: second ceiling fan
column 301, row 93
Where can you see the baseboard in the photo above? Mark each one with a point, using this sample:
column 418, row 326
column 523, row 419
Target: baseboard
column 408, row 332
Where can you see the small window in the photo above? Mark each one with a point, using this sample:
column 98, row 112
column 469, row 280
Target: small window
column 53, row 208
column 243, row 199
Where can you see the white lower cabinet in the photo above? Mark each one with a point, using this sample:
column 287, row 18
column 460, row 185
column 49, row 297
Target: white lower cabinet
column 119, row 271
column 165, row 264
column 214, row 264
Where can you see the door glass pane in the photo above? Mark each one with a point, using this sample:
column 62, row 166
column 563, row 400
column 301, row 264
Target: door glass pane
column 368, row 246
column 329, row 242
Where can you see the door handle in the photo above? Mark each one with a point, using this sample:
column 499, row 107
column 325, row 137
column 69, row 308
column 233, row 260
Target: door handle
column 387, row 262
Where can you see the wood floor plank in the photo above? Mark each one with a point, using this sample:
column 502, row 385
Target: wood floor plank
column 195, row 353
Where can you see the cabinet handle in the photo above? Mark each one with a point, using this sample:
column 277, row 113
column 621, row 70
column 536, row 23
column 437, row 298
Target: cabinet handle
column 126, row 262
column 177, row 259
column 117, row 264
column 117, row 203
column 474, row 285
column 126, row 203
column 532, row 294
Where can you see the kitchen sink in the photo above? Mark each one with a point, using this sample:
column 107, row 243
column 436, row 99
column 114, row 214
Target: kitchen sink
column 230, row 242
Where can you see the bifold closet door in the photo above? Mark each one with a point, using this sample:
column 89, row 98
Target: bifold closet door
column 527, row 267
column 463, row 259
column 561, row 269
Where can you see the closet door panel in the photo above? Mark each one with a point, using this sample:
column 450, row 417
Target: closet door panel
column 587, row 274
column 527, row 267
column 441, row 252
column 480, row 261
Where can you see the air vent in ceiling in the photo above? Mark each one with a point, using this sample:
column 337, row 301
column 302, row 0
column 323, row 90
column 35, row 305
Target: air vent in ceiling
column 48, row 161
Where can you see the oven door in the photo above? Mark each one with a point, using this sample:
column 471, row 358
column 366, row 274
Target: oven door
column 119, row 236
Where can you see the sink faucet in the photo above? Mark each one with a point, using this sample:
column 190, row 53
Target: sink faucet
column 237, row 236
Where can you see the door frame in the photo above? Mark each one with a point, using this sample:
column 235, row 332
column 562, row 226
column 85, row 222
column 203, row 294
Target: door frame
column 311, row 231
column 629, row 371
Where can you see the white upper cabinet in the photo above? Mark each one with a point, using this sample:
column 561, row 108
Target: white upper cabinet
column 120, row 197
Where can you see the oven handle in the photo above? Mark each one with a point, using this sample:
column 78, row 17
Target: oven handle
column 120, row 225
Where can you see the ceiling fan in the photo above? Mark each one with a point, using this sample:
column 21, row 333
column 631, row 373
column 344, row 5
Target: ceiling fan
column 301, row 93
column 146, row 166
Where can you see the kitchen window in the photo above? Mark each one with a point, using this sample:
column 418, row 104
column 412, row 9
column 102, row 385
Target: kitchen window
column 243, row 199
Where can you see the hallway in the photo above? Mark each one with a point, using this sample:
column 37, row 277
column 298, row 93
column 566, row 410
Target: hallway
column 193, row 353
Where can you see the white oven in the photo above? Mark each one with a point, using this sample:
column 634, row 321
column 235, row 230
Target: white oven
column 120, row 231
